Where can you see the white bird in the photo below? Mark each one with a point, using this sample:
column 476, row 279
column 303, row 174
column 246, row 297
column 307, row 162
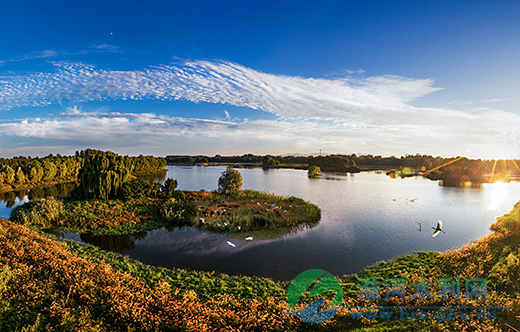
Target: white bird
column 202, row 220
column 249, row 238
column 231, row 244
column 437, row 229
column 238, row 227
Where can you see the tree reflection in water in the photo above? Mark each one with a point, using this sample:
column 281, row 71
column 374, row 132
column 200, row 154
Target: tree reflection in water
column 10, row 198
column 115, row 243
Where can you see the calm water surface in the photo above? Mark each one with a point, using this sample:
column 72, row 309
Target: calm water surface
column 366, row 217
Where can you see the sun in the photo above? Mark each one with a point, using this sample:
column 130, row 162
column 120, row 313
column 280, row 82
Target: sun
column 496, row 193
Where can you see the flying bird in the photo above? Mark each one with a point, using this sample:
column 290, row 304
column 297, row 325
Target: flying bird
column 437, row 229
column 231, row 244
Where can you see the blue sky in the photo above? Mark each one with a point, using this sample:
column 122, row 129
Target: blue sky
column 279, row 77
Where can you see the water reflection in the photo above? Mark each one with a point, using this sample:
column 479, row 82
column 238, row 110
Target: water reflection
column 115, row 243
column 200, row 240
column 11, row 198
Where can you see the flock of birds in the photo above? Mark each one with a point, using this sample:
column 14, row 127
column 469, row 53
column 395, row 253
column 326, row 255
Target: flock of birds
column 436, row 230
column 231, row 244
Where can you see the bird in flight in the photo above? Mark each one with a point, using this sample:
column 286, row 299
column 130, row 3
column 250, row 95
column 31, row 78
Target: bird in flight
column 437, row 229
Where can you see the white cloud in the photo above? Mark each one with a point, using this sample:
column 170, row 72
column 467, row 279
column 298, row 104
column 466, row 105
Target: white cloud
column 370, row 114
column 159, row 134
column 218, row 82
column 105, row 47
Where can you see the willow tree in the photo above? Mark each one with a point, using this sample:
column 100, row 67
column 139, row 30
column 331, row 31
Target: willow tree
column 103, row 174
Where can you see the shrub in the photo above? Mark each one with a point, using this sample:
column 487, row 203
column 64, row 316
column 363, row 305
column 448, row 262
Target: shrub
column 177, row 211
column 168, row 187
column 135, row 188
column 40, row 212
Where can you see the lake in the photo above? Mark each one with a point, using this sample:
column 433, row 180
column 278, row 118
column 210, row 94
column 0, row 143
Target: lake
column 365, row 217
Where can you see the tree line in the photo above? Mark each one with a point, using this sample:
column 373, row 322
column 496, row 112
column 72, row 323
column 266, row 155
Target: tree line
column 19, row 171
column 466, row 169
column 22, row 171
column 246, row 158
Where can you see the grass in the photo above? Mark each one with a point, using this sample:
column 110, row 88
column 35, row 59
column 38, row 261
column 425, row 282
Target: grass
column 251, row 212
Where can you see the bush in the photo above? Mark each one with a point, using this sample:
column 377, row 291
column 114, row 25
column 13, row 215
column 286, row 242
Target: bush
column 40, row 212
column 135, row 188
column 168, row 187
column 314, row 171
column 177, row 211
column 230, row 181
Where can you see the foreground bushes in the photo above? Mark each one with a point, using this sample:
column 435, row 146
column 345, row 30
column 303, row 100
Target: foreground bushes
column 45, row 287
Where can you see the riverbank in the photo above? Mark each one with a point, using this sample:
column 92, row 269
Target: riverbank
column 64, row 285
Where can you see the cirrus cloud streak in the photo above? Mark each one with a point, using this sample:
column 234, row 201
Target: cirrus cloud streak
column 221, row 83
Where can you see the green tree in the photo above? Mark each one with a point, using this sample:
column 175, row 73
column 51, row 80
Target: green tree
column 49, row 169
column 169, row 187
column 269, row 161
column 230, row 181
column 62, row 169
column 103, row 174
column 35, row 171
column 20, row 176
column 8, row 173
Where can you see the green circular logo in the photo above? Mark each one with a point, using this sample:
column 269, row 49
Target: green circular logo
column 326, row 283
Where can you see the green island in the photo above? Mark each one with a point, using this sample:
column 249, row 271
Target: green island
column 109, row 199
column 51, row 284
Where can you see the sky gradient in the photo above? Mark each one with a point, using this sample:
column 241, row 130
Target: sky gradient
column 205, row 77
